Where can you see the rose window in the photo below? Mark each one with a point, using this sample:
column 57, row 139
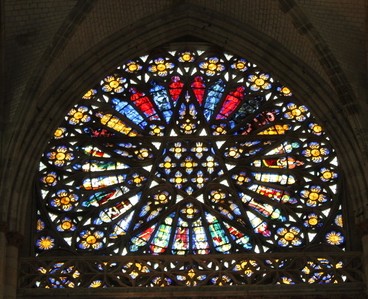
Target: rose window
column 188, row 152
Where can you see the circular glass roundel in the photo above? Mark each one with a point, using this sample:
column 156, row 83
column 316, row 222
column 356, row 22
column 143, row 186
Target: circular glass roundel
column 188, row 152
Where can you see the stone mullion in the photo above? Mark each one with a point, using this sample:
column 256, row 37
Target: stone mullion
column 363, row 226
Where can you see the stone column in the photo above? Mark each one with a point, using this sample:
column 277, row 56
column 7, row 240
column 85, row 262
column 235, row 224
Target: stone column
column 3, row 243
column 14, row 240
column 365, row 256
column 363, row 228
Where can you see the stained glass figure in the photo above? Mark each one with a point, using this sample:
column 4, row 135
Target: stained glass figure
column 207, row 154
column 213, row 98
column 161, row 100
column 199, row 88
column 143, row 103
column 232, row 101
column 175, row 88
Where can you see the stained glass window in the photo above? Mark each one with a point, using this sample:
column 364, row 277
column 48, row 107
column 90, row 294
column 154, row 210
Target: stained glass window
column 189, row 153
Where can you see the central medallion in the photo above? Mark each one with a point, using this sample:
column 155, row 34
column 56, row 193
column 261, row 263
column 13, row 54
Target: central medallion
column 189, row 165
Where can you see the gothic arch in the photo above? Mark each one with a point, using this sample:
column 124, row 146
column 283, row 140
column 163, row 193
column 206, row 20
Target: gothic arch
column 181, row 24
column 184, row 25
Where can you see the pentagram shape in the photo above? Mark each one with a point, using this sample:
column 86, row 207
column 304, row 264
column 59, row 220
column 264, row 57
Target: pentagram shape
column 186, row 152
column 189, row 165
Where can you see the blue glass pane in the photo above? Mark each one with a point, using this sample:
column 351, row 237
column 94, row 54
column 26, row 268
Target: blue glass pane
column 213, row 97
column 129, row 111
column 161, row 99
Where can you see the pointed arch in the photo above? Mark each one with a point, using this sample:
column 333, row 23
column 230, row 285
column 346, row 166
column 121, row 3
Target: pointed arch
column 182, row 24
